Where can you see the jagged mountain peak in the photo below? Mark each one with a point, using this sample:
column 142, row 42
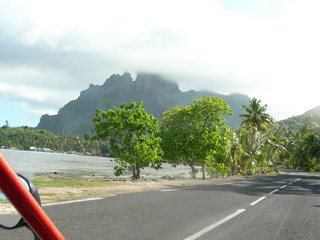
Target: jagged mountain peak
column 117, row 78
column 158, row 94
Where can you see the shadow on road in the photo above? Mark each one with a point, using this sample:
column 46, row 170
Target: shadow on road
column 309, row 184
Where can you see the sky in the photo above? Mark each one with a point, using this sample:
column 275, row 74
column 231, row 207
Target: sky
column 52, row 50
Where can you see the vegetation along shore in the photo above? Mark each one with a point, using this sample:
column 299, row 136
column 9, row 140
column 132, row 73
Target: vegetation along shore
column 194, row 135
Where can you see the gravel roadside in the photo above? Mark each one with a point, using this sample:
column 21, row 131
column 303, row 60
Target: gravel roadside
column 53, row 194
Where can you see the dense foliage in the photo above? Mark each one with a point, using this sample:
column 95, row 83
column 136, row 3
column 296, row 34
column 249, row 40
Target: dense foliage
column 255, row 115
column 25, row 138
column 196, row 134
column 256, row 145
column 303, row 146
column 130, row 132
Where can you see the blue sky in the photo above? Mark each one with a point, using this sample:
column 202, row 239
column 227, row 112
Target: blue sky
column 52, row 50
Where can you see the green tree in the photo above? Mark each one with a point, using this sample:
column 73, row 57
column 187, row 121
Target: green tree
column 312, row 146
column 260, row 142
column 131, row 134
column 234, row 154
column 304, row 146
column 6, row 125
column 255, row 115
column 307, row 153
column 274, row 145
column 196, row 135
column 249, row 150
column 26, row 137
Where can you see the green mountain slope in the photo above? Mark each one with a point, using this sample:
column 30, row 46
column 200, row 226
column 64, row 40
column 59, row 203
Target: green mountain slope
column 294, row 123
column 157, row 93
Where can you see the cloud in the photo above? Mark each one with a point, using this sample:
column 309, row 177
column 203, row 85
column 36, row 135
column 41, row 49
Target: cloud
column 51, row 50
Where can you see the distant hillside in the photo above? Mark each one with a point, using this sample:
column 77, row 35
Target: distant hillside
column 294, row 123
column 157, row 93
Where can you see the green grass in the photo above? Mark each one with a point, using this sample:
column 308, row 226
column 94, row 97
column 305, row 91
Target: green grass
column 48, row 194
column 70, row 183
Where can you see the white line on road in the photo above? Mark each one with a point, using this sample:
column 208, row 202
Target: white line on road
column 175, row 189
column 221, row 184
column 255, row 202
column 170, row 190
column 209, row 228
column 68, row 202
column 276, row 190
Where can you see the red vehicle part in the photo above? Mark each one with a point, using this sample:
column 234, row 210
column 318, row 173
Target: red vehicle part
column 25, row 203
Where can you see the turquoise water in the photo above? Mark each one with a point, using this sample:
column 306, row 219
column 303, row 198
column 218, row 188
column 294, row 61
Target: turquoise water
column 30, row 163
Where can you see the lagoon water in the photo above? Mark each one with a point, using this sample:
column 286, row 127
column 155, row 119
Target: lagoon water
column 30, row 164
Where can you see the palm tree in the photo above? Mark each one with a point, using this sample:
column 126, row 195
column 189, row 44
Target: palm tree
column 312, row 146
column 255, row 115
column 234, row 154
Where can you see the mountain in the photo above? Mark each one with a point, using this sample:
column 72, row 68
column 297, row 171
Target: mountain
column 294, row 123
column 157, row 93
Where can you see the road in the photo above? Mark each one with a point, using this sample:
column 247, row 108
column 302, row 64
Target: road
column 272, row 207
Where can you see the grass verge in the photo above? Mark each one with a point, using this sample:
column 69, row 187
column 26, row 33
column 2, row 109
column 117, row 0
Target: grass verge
column 71, row 183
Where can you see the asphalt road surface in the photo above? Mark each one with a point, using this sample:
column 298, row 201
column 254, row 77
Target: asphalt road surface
column 272, row 207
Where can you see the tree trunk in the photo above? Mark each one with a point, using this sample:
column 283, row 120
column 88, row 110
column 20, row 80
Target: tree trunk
column 136, row 171
column 273, row 163
column 134, row 175
column 233, row 171
column 203, row 172
column 274, row 166
column 193, row 170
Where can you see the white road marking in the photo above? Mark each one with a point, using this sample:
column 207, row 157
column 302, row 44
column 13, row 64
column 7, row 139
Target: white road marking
column 276, row 190
column 221, row 184
column 175, row 189
column 211, row 227
column 170, row 190
column 68, row 202
column 255, row 202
